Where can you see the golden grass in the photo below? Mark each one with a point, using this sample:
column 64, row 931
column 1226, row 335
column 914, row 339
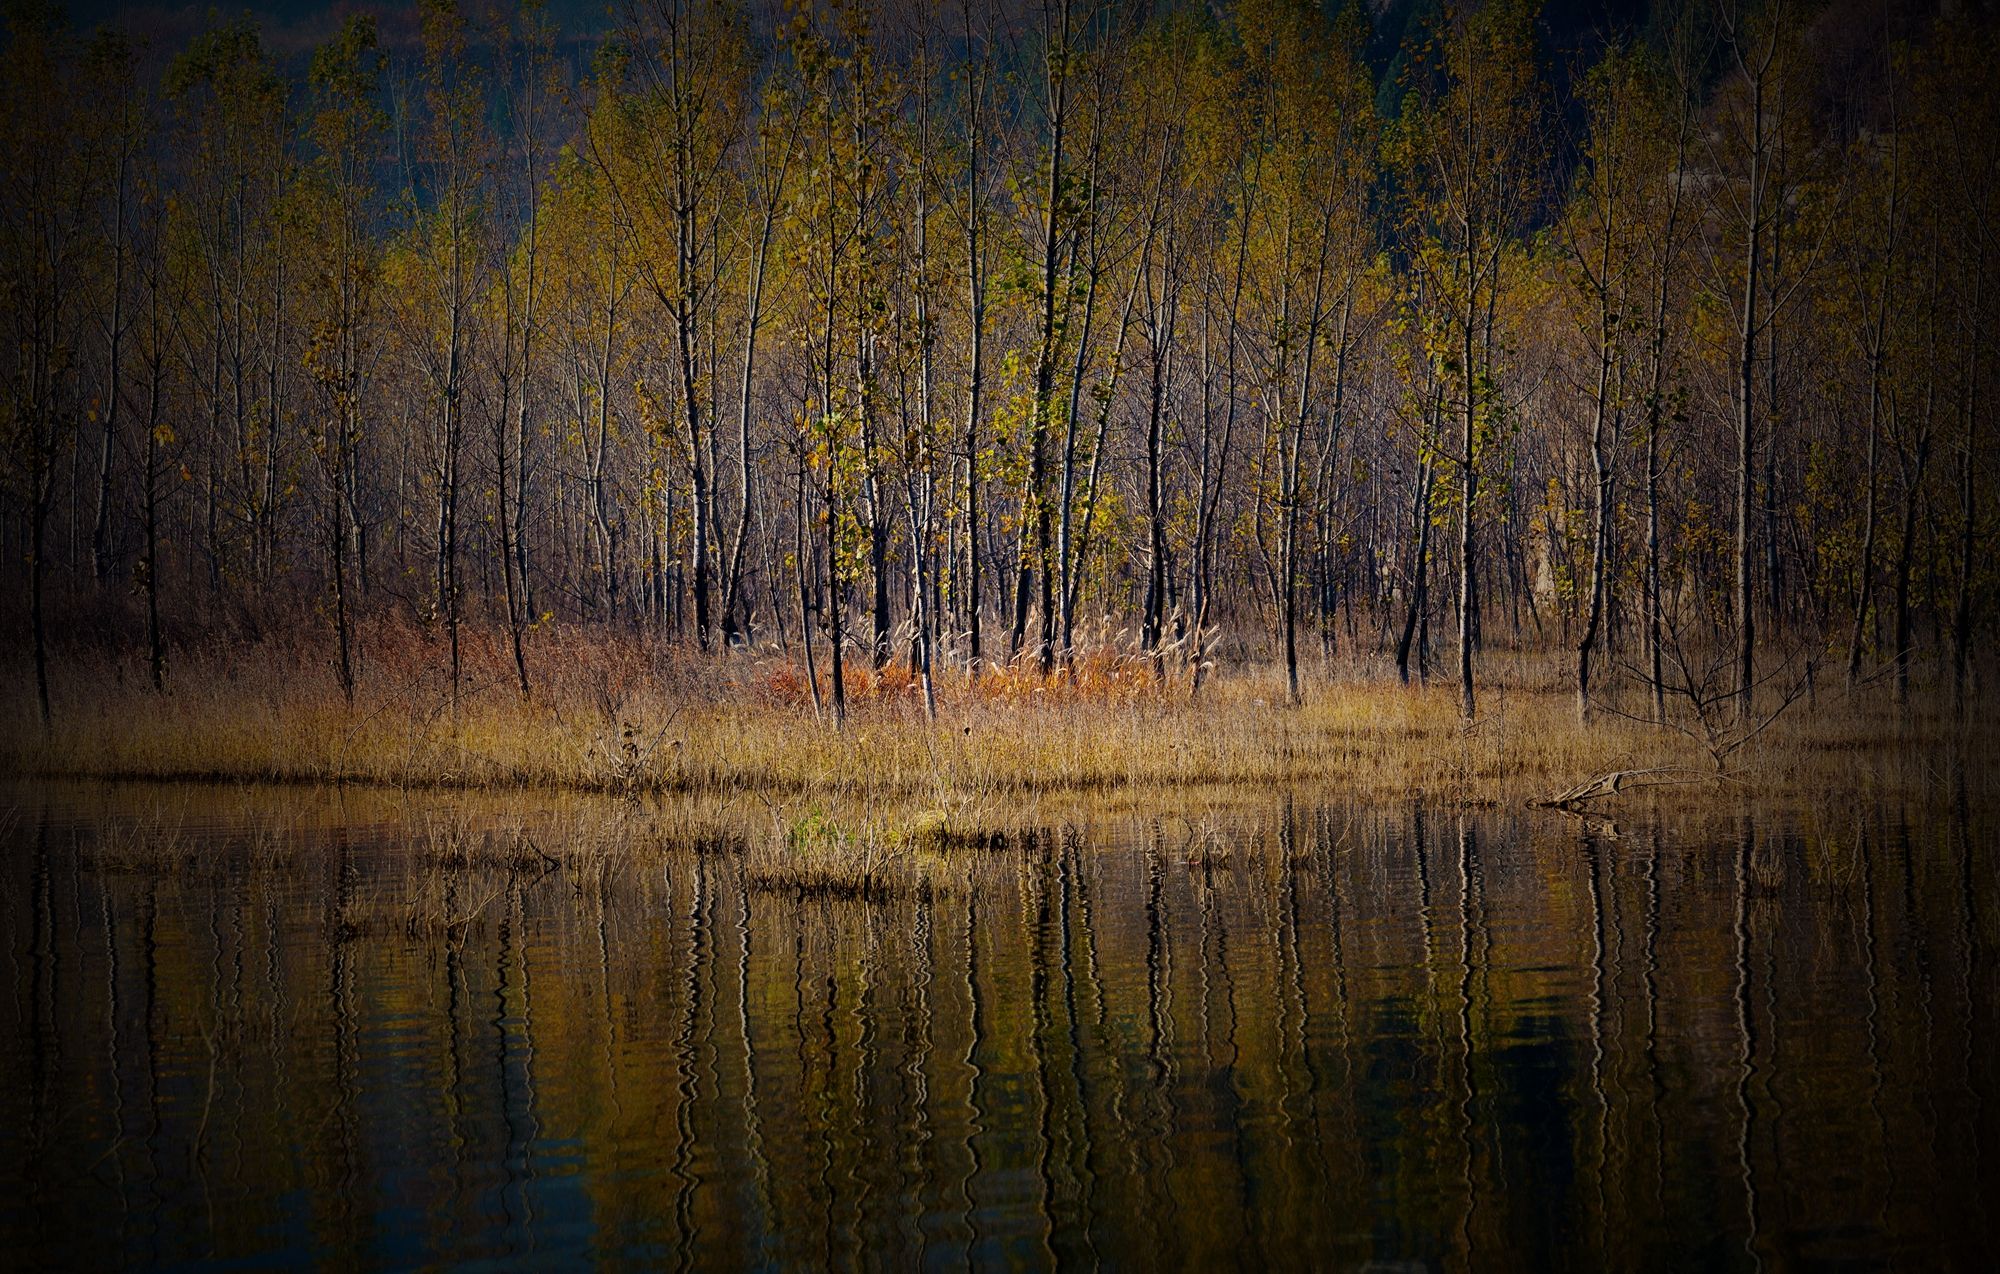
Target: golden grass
column 618, row 717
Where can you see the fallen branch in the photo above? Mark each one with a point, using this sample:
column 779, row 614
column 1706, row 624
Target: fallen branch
column 1620, row 780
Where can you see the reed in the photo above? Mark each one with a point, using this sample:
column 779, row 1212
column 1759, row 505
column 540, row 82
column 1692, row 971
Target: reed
column 628, row 718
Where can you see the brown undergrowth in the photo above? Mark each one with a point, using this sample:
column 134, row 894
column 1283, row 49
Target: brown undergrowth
column 629, row 717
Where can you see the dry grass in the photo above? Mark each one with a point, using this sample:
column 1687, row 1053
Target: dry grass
column 621, row 717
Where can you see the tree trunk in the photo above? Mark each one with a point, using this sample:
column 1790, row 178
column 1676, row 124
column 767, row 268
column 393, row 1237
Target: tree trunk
column 1600, row 526
column 1419, row 602
column 1036, row 503
column 1745, row 387
column 156, row 649
column 1968, row 500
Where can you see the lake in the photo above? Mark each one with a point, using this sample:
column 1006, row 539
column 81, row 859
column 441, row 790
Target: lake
column 292, row 1028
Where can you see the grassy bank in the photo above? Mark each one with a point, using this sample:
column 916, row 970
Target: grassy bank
column 624, row 717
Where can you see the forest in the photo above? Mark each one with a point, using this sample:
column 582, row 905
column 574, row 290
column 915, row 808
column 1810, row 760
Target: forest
column 977, row 339
column 1001, row 634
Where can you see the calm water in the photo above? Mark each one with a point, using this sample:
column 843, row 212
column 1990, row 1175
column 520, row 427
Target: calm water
column 1293, row 1035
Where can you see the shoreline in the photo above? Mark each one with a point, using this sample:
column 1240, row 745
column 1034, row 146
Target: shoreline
column 730, row 728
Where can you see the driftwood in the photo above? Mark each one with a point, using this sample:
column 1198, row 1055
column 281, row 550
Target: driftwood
column 1618, row 781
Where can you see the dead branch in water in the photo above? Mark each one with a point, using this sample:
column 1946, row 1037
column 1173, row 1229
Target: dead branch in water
column 1623, row 780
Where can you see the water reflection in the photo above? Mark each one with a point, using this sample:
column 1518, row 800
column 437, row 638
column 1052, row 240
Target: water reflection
column 1306, row 1035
